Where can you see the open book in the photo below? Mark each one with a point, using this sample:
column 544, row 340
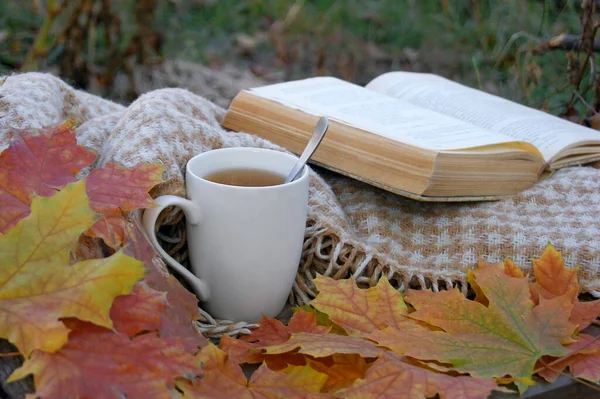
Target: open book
column 417, row 135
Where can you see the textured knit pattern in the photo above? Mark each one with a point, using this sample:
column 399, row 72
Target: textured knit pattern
column 352, row 229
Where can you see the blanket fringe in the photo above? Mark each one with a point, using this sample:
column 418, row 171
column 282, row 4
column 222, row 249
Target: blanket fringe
column 326, row 253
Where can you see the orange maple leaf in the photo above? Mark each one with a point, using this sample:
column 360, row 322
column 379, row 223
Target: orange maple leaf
column 509, row 268
column 100, row 363
column 553, row 279
column 359, row 310
column 341, row 370
column 223, row 378
column 139, row 311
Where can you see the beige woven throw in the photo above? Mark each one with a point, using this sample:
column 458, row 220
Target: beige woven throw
column 352, row 229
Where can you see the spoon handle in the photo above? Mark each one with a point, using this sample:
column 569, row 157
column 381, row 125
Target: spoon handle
column 312, row 145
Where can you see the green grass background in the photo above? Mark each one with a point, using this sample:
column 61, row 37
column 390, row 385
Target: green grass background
column 481, row 43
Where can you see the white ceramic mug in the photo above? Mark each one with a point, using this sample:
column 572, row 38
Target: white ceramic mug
column 244, row 243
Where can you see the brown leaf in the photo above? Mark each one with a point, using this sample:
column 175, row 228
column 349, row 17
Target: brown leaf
column 38, row 287
column 584, row 313
column 391, row 377
column 115, row 189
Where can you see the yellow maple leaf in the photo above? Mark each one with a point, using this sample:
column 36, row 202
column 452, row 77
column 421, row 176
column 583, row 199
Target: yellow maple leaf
column 38, row 287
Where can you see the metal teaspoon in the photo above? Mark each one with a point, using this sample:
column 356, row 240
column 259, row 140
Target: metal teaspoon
column 315, row 140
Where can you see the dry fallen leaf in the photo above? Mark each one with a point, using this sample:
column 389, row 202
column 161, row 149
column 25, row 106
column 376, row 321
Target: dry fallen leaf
column 37, row 284
column 341, row 370
column 449, row 346
column 114, row 189
column 223, row 378
column 39, row 161
column 506, row 337
column 585, row 363
column 322, row 345
column 553, row 279
column 99, row 363
column 178, row 319
column 111, row 229
column 139, row 311
column 45, row 300
column 360, row 310
column 271, row 332
column 392, row 377
column 504, row 332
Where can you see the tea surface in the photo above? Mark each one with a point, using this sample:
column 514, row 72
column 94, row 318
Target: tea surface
column 246, row 177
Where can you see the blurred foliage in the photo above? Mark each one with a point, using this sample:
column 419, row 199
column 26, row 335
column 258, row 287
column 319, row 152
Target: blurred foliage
column 488, row 44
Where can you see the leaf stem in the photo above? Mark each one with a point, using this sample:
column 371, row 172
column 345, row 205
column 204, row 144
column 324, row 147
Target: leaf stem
column 560, row 359
column 579, row 380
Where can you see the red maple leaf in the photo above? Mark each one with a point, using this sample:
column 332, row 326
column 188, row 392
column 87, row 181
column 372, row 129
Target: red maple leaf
column 115, row 189
column 139, row 311
column 272, row 332
column 38, row 161
column 99, row 363
column 177, row 320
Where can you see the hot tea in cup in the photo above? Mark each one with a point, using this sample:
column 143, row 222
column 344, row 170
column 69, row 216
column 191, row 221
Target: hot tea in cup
column 245, row 230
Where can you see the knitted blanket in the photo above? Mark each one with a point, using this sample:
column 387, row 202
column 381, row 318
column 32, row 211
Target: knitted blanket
column 352, row 229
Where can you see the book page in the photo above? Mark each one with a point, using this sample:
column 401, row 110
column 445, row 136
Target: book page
column 548, row 133
column 380, row 114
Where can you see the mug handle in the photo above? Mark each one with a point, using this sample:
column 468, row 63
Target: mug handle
column 193, row 216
